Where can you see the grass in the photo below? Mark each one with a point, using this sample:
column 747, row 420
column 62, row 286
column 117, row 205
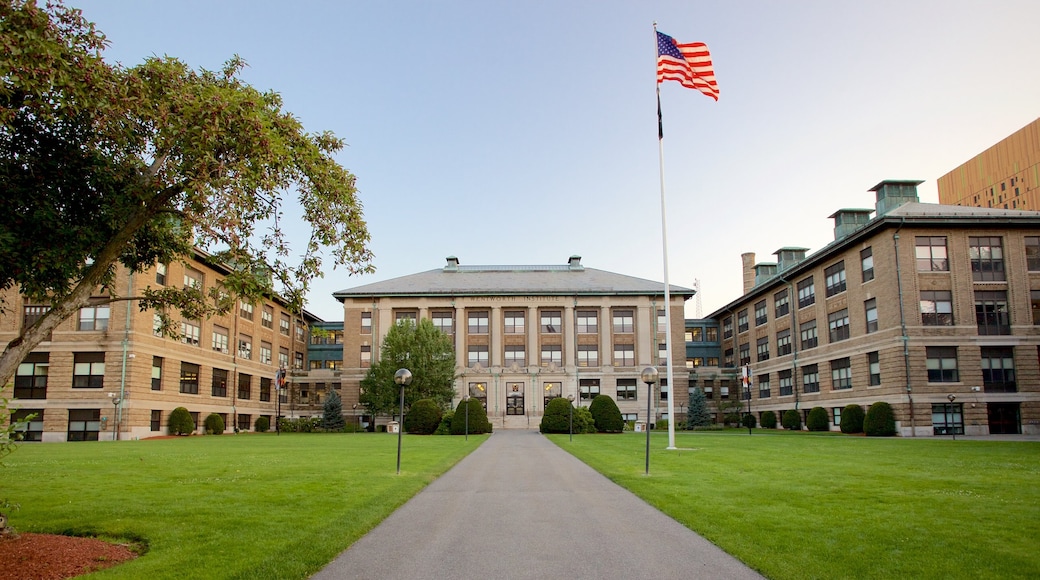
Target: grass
column 246, row 506
column 799, row 505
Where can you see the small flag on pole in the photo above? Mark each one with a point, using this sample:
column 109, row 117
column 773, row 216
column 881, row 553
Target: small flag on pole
column 690, row 64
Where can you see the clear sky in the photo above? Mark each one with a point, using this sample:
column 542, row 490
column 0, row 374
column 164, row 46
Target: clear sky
column 522, row 132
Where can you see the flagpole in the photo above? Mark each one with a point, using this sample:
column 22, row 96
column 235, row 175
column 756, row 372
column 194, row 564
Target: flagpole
column 664, row 246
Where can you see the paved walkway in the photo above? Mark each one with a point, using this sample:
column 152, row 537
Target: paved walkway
column 520, row 507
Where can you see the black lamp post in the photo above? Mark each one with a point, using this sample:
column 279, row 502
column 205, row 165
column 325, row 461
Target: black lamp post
column 279, row 380
column 570, row 425
column 949, row 417
column 648, row 376
column 402, row 377
column 465, row 401
column 357, row 419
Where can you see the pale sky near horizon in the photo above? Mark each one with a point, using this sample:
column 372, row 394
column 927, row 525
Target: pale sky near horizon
column 509, row 132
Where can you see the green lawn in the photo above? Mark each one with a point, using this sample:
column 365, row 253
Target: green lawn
column 243, row 506
column 801, row 505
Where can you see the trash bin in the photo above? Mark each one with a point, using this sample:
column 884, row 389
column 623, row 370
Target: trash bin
column 640, row 427
column 393, row 427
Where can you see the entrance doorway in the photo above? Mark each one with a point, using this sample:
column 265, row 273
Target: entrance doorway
column 1004, row 418
column 514, row 398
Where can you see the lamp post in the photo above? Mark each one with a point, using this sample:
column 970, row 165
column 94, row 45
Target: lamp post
column 465, row 401
column 648, row 376
column 570, row 424
column 279, row 380
column 115, row 413
column 949, row 423
column 356, row 418
column 402, row 377
column 681, row 405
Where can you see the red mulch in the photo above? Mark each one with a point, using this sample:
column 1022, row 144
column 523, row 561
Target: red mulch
column 53, row 557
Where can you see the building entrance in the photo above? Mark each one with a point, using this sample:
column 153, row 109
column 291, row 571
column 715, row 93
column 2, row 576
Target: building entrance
column 1004, row 418
column 514, row 398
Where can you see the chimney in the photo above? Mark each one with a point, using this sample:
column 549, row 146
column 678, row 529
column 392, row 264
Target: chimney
column 747, row 260
column 575, row 264
column 453, row 264
column 893, row 193
column 847, row 221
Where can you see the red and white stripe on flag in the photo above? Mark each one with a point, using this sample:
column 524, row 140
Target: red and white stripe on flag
column 689, row 64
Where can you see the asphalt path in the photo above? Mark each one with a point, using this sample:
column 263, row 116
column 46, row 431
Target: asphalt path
column 520, row 507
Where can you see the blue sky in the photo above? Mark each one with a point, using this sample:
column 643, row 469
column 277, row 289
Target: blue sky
column 509, row 132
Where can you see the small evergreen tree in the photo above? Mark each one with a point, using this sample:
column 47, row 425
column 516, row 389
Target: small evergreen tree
column 583, row 422
column 423, row 418
column 605, row 415
column 749, row 421
column 768, row 420
column 818, row 419
column 880, row 420
column 698, row 414
column 792, row 420
column 180, row 422
column 557, row 416
column 478, row 421
column 332, row 418
column 262, row 424
column 852, row 419
column 214, row 424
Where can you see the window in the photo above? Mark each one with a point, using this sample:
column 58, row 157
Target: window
column 806, row 293
column 991, row 312
column 998, row 369
column 783, row 342
column 936, row 308
column 947, row 418
column 626, row 390
column 267, row 317
column 283, row 324
column 265, row 391
column 838, row 323
column 88, row 370
column 157, row 366
column 245, row 310
column 84, row 424
column 192, row 278
column 32, row 314
column 589, row 389
column 160, row 274
column 931, row 254
column 662, row 321
column 283, row 357
column 552, row 353
column 588, row 355
column 786, row 382
column 874, row 364
column 244, row 422
column 587, row 322
column 245, row 386
column 781, row 304
column 515, row 322
column 157, row 324
column 942, row 364
column 624, row 355
column 709, row 389
column 763, row 386
column 761, row 316
column 297, row 360
column 711, row 334
column 742, row 320
column 870, row 309
column 744, row 354
column 478, row 322
column 662, row 354
column 727, row 327
column 807, row 333
column 841, row 373
column 836, row 413
column 93, row 317
column 987, row 258
column 191, row 332
column 664, row 390
column 155, row 421
column 623, row 321
column 245, row 347
column 442, row 321
column 810, row 379
column 366, row 356
column 727, row 358
column 30, row 380
column 711, row 361
column 478, row 355
column 218, row 386
column 551, row 322
column 515, row 354
column 866, row 261
column 762, row 347
column 1033, row 253
column 220, row 339
column 695, row 334
column 479, row 392
column 265, row 353
column 835, row 279
column 694, row 362
column 189, row 378
column 551, row 390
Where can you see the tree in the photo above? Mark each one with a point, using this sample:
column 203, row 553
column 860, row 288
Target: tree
column 180, row 422
column 818, row 420
column 852, row 419
column 605, row 415
column 332, row 412
column 791, row 420
column 423, row 418
column 698, row 415
column 421, row 348
column 477, row 418
column 104, row 166
column 880, row 420
column 557, row 416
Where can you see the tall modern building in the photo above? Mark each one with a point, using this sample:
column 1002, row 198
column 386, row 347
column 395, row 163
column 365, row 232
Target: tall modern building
column 526, row 334
column 934, row 309
column 1005, row 176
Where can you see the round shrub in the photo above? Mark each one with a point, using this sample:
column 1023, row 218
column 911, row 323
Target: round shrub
column 214, row 424
column 769, row 420
column 262, row 424
column 180, row 422
column 583, row 421
column 444, row 428
column 818, row 420
column 605, row 415
column 792, row 420
column 852, row 419
column 880, row 420
column 423, row 417
column 749, row 421
column 478, row 421
column 557, row 416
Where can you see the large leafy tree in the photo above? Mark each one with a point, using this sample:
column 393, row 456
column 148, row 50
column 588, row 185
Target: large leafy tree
column 103, row 166
column 424, row 350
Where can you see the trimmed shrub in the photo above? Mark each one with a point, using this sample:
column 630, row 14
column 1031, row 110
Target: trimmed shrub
column 792, row 420
column 444, row 428
column 605, row 415
column 818, row 420
column 478, row 421
column 769, row 420
column 880, row 420
column 557, row 416
column 749, row 421
column 180, row 422
column 852, row 419
column 583, row 422
column 214, row 424
column 423, row 418
column 262, row 424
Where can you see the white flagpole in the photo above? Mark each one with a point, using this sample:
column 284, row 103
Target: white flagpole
column 664, row 245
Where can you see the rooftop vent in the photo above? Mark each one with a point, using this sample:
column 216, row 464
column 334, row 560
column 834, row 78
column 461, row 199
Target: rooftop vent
column 575, row 263
column 847, row 221
column 788, row 257
column 453, row 264
column 764, row 272
column 893, row 193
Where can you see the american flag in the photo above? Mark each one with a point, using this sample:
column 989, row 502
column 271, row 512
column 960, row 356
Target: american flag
column 690, row 64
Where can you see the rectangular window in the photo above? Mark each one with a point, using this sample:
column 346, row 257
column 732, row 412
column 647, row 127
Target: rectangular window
column 245, row 346
column 32, row 313
column 762, row 347
column 931, row 254
column 664, row 390
column 709, row 390
column 588, row 322
column 297, row 360
column 84, row 424
column 810, row 379
column 696, row 334
column 1033, row 253
column 991, row 312
column 265, row 353
column 244, row 422
column 761, row 313
column 1034, row 298
column 157, row 325
column 589, row 389
column 711, row 361
column 998, row 369
column 624, row 355
column 838, row 322
column 515, row 354
column 551, row 322
column 841, row 373
column 870, row 310
column 874, row 365
column 835, row 278
column 987, row 258
column 160, row 274
column 942, row 364
column 626, row 390
column 442, row 321
column 936, row 308
column 192, row 278
column 781, row 304
column 866, row 261
column 218, row 386
column 806, row 293
column 366, row 356
column 947, row 418
column 661, row 321
column 727, row 327
column 836, row 413
column 93, row 317
column 807, row 332
column 478, row 355
column 727, row 358
column 245, row 310
column 189, row 378
column 744, row 354
column 283, row 357
column 31, row 429
column 409, row 316
column 245, row 386
column 763, row 386
column 623, row 321
column 662, row 354
column 783, row 342
column 88, row 370
column 283, row 324
column 515, row 322
column 30, row 381
column 220, row 339
column 265, row 390
column 267, row 317
column 786, row 382
column 157, row 366
column 477, row 322
column 155, row 421
column 711, row 334
column 588, row 355
column 191, row 332
column 742, row 320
